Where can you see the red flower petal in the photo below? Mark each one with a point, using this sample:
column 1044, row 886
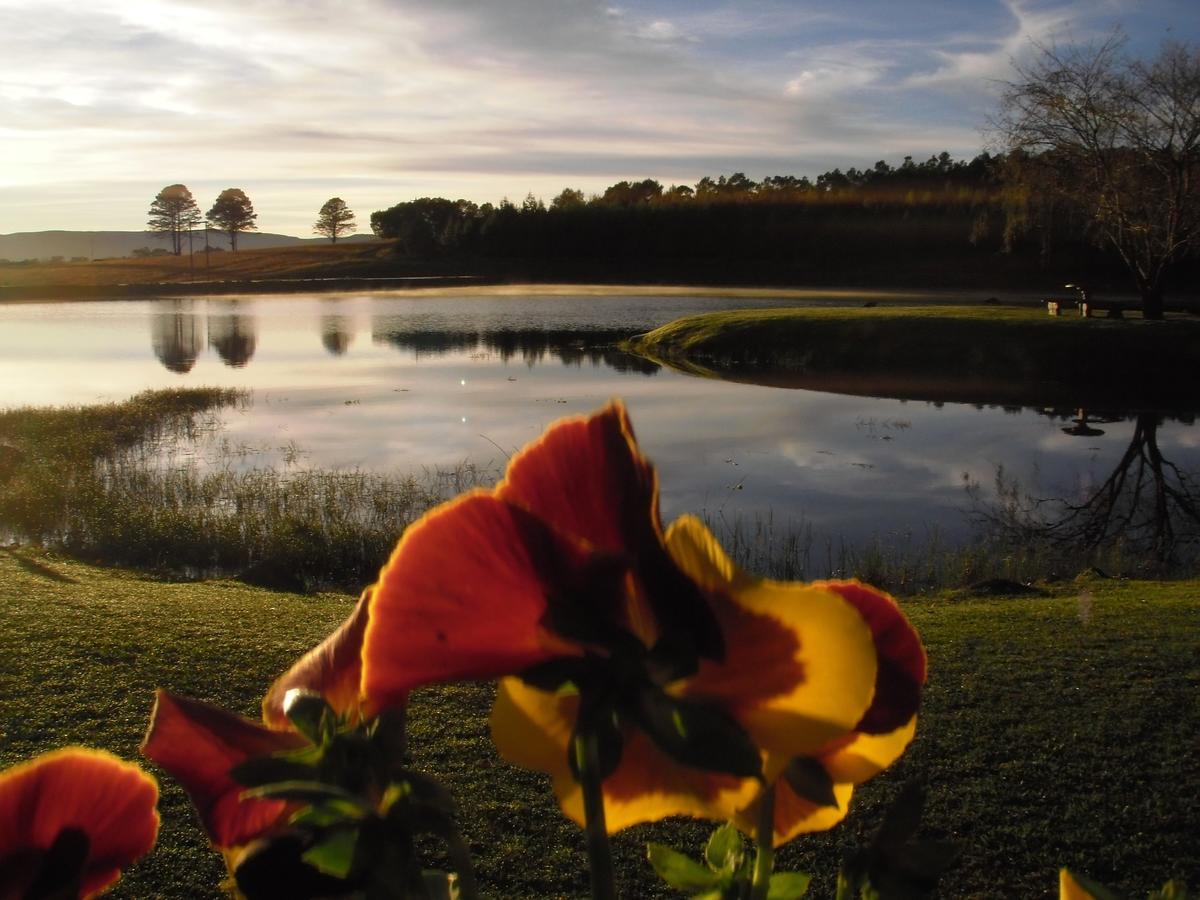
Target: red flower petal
column 332, row 669
column 110, row 800
column 902, row 666
column 199, row 744
column 585, row 477
column 464, row 596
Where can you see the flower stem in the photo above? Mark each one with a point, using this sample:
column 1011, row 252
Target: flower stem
column 587, row 761
column 764, row 837
column 460, row 860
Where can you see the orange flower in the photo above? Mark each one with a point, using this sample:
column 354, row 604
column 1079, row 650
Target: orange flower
column 880, row 736
column 563, row 577
column 200, row 744
column 71, row 820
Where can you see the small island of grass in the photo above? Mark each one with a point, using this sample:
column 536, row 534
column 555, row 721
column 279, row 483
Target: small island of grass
column 983, row 354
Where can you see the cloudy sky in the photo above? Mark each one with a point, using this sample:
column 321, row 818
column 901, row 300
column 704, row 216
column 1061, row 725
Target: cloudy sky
column 376, row 101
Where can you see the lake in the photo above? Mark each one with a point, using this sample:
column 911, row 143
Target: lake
column 400, row 381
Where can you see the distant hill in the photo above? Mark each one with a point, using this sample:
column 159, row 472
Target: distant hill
column 109, row 244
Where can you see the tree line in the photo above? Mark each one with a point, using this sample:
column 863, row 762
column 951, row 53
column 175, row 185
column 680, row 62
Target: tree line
column 1097, row 178
column 174, row 214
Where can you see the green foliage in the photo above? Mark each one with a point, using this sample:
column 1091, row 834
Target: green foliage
column 725, row 872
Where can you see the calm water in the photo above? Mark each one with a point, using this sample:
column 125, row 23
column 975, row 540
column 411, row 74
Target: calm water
column 404, row 381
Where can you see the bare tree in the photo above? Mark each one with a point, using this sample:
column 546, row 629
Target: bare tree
column 172, row 214
column 232, row 213
column 1119, row 140
column 334, row 219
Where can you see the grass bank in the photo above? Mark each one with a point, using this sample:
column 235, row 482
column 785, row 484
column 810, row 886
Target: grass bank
column 980, row 354
column 1056, row 730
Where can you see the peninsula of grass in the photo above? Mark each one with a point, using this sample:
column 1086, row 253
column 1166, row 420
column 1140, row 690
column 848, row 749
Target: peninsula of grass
column 979, row 354
column 1056, row 730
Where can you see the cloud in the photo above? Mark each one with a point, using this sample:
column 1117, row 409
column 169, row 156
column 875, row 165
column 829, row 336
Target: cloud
column 462, row 98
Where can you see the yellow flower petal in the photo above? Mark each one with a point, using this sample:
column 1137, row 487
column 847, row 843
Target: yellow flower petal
column 868, row 754
column 532, row 728
column 833, row 649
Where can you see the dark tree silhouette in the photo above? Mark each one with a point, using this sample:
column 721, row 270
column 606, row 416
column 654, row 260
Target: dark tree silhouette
column 232, row 213
column 334, row 219
column 1117, row 140
column 173, row 213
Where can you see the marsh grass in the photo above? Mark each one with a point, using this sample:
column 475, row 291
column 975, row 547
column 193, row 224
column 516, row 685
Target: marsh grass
column 121, row 484
column 912, row 562
column 92, row 481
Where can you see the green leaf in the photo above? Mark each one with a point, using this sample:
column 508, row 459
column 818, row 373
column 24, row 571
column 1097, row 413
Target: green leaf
column 1095, row 888
column 681, row 872
column 310, row 714
column 725, row 849
column 788, row 885
column 809, row 779
column 325, row 814
column 303, row 792
column 263, row 770
column 696, row 734
column 334, row 853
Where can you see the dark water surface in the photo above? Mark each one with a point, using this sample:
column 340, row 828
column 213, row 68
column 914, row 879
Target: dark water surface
column 402, row 381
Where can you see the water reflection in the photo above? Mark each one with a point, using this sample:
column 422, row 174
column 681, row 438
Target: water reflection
column 232, row 333
column 436, row 381
column 531, row 346
column 1147, row 506
column 177, row 335
column 337, row 329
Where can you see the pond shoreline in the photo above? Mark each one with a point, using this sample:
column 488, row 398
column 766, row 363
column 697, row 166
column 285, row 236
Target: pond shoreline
column 848, row 295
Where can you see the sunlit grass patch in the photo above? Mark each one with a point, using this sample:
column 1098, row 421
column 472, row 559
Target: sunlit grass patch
column 1056, row 730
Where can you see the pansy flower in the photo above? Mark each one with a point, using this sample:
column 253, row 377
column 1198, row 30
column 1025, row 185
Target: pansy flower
column 563, row 579
column 71, row 820
column 877, row 739
column 201, row 744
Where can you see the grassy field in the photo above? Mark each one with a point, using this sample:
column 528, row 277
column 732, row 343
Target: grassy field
column 306, row 261
column 985, row 354
column 1056, row 730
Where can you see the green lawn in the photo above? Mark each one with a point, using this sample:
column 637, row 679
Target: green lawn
column 1056, row 730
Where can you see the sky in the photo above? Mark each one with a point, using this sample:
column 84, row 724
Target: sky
column 103, row 103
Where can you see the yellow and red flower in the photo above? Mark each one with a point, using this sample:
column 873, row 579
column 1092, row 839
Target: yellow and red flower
column 563, row 579
column 880, row 736
column 71, row 820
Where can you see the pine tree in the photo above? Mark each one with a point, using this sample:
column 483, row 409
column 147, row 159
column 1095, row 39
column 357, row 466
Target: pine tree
column 173, row 213
column 233, row 212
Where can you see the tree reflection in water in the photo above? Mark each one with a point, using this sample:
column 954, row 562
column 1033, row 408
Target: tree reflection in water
column 177, row 336
column 1147, row 508
column 232, row 333
column 531, row 346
